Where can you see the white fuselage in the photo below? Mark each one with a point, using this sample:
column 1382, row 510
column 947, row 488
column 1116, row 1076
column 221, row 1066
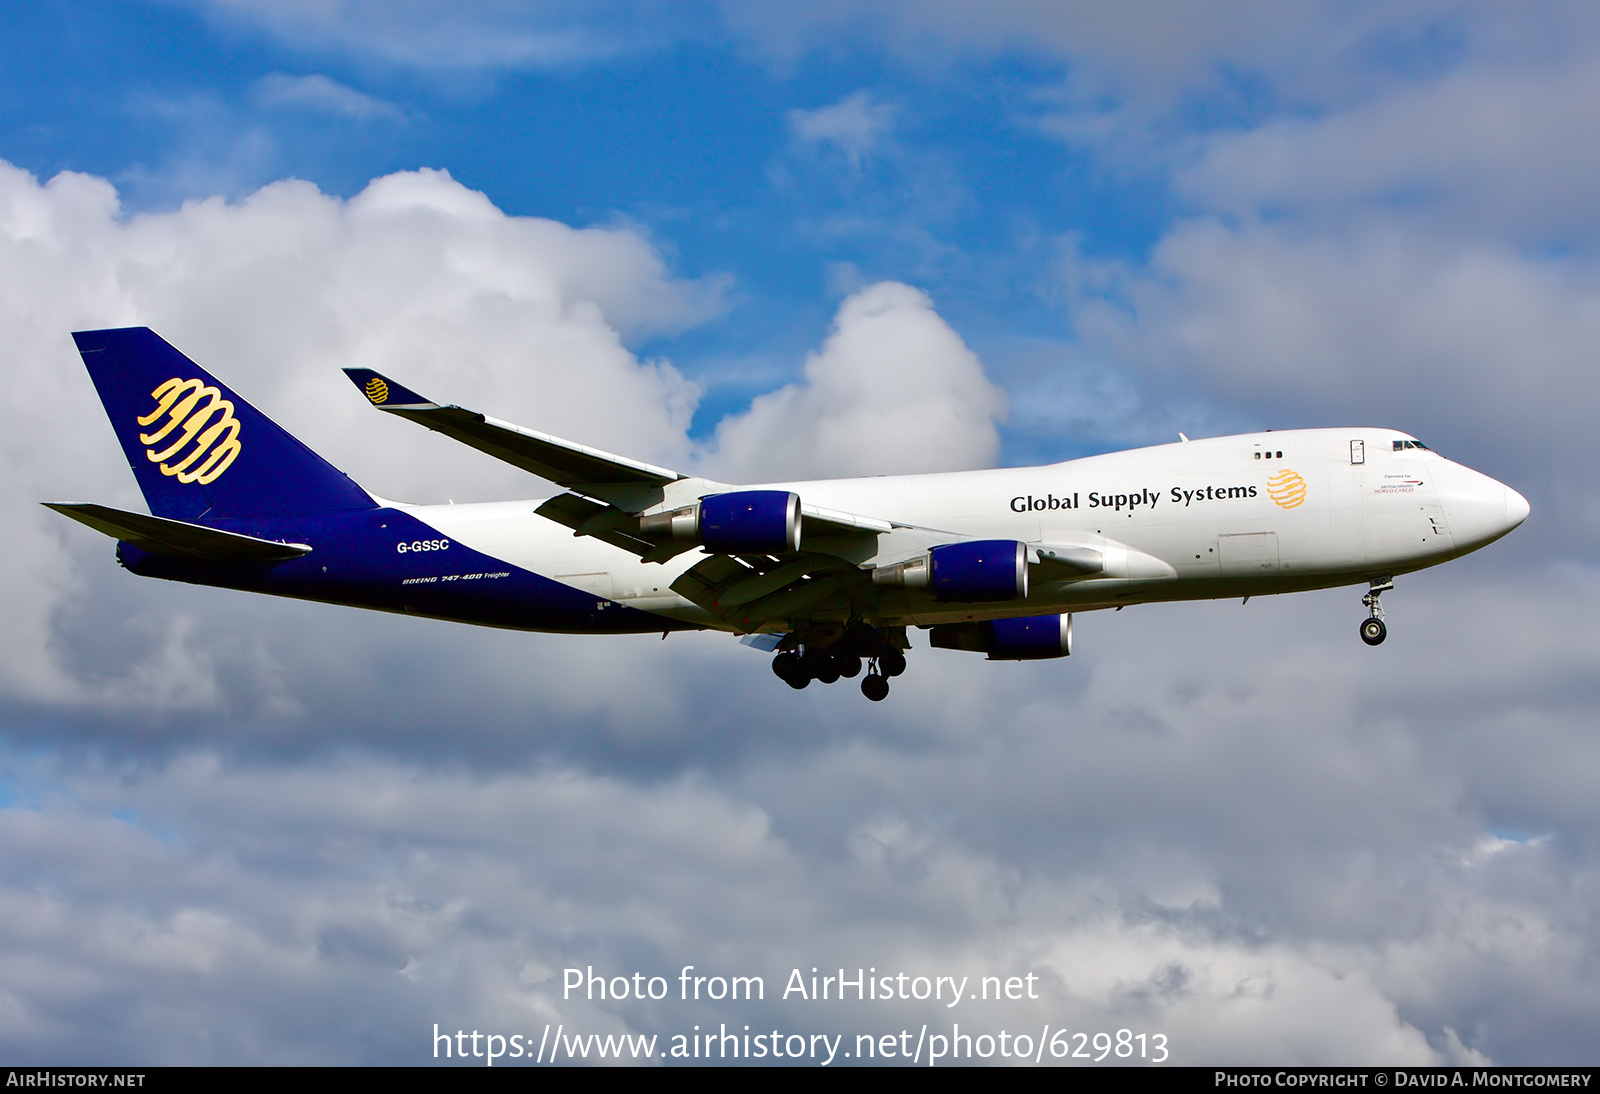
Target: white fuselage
column 1229, row 516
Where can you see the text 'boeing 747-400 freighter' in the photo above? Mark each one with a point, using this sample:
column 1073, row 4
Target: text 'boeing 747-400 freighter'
column 830, row 574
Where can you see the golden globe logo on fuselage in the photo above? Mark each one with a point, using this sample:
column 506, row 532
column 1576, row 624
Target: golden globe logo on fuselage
column 1286, row 488
column 208, row 442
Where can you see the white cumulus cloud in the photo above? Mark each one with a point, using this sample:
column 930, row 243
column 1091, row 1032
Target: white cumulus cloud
column 893, row 390
column 416, row 276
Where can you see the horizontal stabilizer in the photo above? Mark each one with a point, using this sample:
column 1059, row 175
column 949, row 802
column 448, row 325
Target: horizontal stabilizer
column 161, row 536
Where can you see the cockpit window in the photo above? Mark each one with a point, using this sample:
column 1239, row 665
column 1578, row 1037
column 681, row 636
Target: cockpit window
column 1398, row 445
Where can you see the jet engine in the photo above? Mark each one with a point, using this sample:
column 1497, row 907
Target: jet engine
column 740, row 522
column 1030, row 638
column 979, row 569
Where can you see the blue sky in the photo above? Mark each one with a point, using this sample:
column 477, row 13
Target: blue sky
column 235, row 830
column 687, row 134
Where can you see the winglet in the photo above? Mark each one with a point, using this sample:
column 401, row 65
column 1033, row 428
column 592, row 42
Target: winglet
column 384, row 392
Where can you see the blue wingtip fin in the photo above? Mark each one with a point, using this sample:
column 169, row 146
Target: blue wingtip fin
column 382, row 391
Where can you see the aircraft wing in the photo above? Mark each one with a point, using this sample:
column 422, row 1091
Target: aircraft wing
column 825, row 531
column 631, row 505
column 163, row 536
column 624, row 487
column 577, row 467
column 748, row 591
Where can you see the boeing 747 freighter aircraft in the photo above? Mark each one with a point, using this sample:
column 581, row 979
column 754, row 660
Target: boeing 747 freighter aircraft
column 830, row 574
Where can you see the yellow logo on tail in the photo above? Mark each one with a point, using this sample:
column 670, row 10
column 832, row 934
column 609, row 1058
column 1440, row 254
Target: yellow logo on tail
column 377, row 390
column 1286, row 488
column 210, row 431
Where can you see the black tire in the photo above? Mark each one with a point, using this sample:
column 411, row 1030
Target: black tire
column 827, row 671
column 848, row 664
column 789, row 668
column 1373, row 632
column 875, row 687
column 892, row 662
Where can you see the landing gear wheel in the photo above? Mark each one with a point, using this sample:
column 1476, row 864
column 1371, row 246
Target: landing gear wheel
column 814, row 665
column 827, row 671
column 848, row 664
column 875, row 687
column 789, row 668
column 892, row 662
column 1372, row 630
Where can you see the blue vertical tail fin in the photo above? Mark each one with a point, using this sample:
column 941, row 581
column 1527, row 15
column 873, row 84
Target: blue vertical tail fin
column 198, row 450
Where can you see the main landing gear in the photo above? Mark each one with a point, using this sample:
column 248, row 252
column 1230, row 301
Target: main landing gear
column 889, row 662
column 1373, row 631
column 844, row 658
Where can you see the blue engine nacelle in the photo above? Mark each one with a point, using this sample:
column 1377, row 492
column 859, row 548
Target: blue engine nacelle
column 766, row 521
column 1031, row 638
column 740, row 522
column 979, row 569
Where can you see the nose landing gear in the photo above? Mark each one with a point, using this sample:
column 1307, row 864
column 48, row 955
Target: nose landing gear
column 1373, row 630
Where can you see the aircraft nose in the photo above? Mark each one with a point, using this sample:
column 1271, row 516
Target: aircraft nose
column 1517, row 509
column 1478, row 508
